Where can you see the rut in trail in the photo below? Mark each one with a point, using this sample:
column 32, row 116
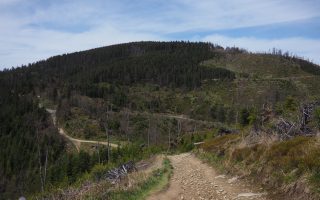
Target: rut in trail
column 192, row 179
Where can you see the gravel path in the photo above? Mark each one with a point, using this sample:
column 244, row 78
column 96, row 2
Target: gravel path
column 193, row 179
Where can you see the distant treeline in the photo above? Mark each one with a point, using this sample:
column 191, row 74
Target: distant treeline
column 173, row 64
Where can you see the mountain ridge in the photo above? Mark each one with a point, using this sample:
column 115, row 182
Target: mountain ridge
column 124, row 90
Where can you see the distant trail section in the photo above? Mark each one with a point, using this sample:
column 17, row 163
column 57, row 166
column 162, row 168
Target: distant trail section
column 75, row 142
column 173, row 116
column 192, row 180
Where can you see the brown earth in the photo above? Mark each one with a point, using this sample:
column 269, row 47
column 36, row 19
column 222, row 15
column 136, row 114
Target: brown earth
column 193, row 179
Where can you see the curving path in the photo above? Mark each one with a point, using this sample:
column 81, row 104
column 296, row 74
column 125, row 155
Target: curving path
column 76, row 142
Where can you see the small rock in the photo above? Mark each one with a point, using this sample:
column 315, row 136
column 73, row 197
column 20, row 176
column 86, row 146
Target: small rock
column 232, row 180
column 307, row 190
column 250, row 194
column 220, row 176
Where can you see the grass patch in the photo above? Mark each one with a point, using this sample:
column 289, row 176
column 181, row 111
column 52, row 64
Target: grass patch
column 211, row 159
column 219, row 145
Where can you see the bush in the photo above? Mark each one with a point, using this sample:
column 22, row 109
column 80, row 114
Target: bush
column 290, row 104
column 288, row 155
column 317, row 117
column 244, row 117
column 315, row 181
column 99, row 171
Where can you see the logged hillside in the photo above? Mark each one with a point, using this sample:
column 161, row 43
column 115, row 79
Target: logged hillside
column 164, row 94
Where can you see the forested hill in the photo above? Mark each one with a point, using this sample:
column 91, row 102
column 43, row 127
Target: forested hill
column 173, row 64
column 200, row 80
column 28, row 138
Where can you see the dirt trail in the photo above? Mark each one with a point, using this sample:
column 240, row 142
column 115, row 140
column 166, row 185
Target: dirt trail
column 170, row 115
column 76, row 142
column 193, row 179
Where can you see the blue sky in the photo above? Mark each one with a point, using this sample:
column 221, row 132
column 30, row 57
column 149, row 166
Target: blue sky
column 31, row 30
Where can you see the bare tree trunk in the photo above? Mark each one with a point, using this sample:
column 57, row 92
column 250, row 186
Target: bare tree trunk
column 45, row 168
column 108, row 146
column 40, row 169
column 169, row 139
column 107, row 132
column 127, row 116
column 42, row 172
column 237, row 116
column 42, row 176
column 179, row 128
column 108, row 139
column 149, row 129
column 98, row 148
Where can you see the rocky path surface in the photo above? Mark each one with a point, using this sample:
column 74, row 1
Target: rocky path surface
column 192, row 179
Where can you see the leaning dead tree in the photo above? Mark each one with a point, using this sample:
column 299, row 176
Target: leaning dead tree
column 307, row 111
column 115, row 175
column 287, row 129
column 42, row 166
column 104, row 117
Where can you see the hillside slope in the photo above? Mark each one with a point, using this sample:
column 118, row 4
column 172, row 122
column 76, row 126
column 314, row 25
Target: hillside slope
column 163, row 94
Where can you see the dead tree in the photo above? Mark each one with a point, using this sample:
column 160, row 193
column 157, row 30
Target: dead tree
column 149, row 129
column 115, row 175
column 105, row 119
column 42, row 167
column 179, row 128
column 108, row 139
column 266, row 113
column 127, row 121
column 307, row 111
column 169, row 139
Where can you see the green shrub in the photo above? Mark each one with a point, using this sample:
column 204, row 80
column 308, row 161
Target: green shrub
column 315, row 181
column 244, row 117
column 317, row 117
column 99, row 171
column 290, row 104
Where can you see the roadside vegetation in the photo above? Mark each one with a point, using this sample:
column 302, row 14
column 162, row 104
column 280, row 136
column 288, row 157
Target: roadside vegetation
column 288, row 167
column 158, row 180
column 79, row 170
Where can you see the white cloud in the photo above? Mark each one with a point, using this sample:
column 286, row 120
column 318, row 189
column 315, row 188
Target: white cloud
column 211, row 15
column 32, row 45
column 110, row 22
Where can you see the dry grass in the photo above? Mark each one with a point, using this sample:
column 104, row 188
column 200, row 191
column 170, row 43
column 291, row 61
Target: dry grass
column 278, row 165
